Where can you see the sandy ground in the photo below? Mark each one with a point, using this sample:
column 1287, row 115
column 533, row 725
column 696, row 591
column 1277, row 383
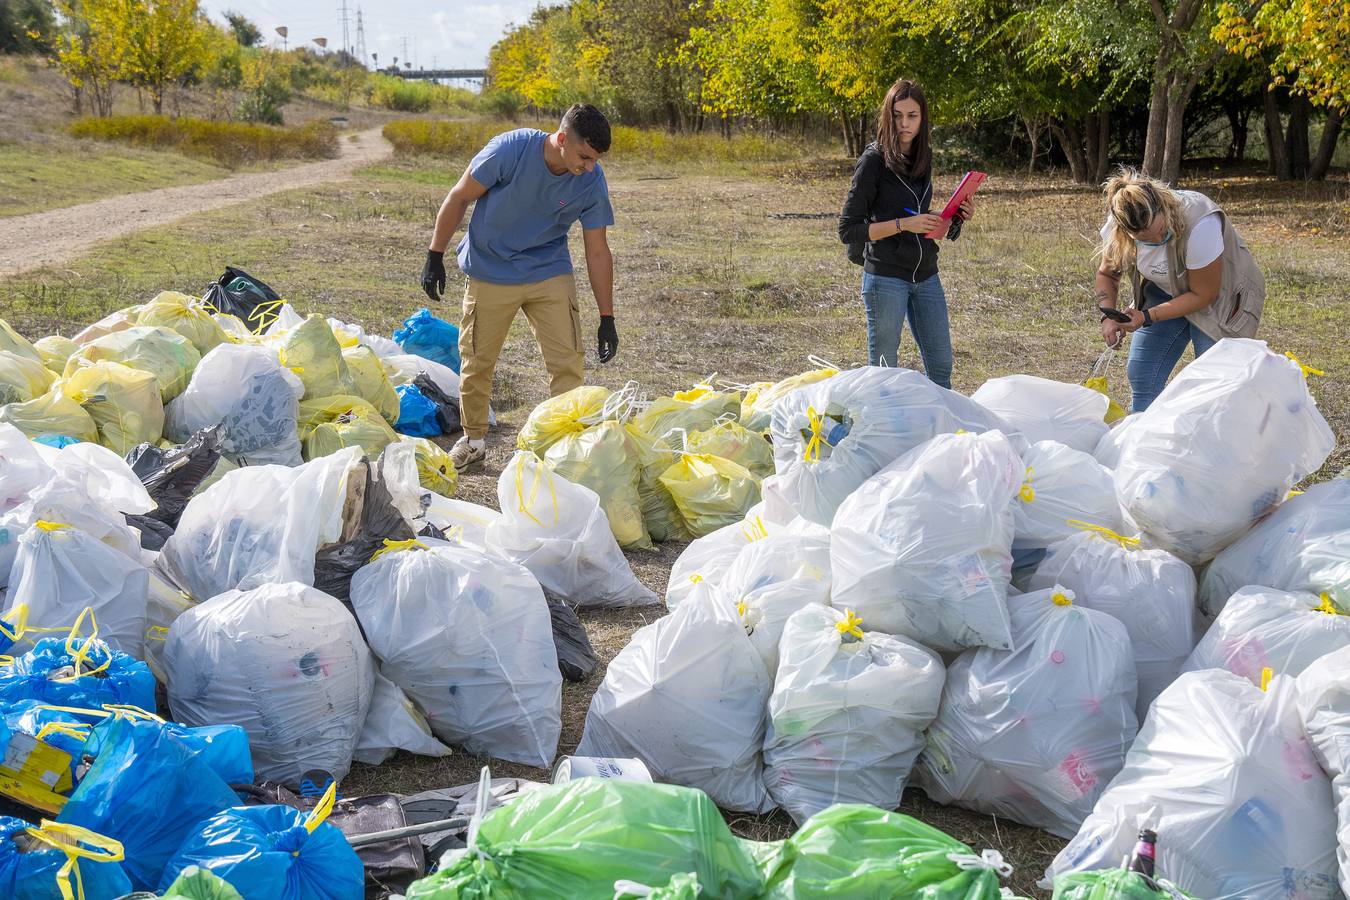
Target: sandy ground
column 57, row 236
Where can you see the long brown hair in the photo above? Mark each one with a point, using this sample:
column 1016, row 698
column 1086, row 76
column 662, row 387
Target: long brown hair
column 1133, row 201
column 919, row 160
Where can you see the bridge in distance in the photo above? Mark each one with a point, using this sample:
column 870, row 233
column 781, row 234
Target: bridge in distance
column 436, row 74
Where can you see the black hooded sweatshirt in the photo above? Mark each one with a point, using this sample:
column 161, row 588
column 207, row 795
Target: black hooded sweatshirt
column 877, row 194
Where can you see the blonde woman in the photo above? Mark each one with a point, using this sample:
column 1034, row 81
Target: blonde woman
column 1194, row 280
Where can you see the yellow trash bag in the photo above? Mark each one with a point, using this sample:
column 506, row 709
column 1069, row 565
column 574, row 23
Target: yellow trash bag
column 730, row 440
column 706, row 397
column 162, row 352
column 330, row 423
column 372, row 384
column 312, row 353
column 52, row 414
column 235, row 329
column 119, row 320
column 123, row 402
column 559, row 416
column 757, row 413
column 22, row 378
column 1097, row 381
column 185, row 315
column 13, row 342
column 710, row 492
column 667, row 414
column 604, row 459
column 659, row 513
column 435, row 472
column 54, row 350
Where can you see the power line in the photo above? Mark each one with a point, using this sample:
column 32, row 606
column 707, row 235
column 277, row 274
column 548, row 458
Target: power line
column 360, row 38
column 346, row 39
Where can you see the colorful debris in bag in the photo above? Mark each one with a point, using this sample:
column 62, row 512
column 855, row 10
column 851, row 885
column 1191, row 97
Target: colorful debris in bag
column 77, row 671
column 197, row 883
column 329, row 424
column 427, row 336
column 730, row 440
column 59, row 862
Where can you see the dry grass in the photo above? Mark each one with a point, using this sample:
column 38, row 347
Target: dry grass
column 727, row 271
column 231, row 144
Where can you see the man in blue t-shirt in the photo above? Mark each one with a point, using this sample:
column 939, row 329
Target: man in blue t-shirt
column 529, row 188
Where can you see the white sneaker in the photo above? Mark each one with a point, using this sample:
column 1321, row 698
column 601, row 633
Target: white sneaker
column 467, row 452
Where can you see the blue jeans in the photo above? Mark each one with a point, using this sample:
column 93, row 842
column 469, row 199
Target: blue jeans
column 889, row 301
column 1156, row 349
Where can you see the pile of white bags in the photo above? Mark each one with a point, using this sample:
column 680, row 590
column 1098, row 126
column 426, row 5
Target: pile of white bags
column 707, row 559
column 1151, row 592
column 847, row 715
column 1224, row 774
column 922, row 549
column 1060, row 487
column 830, row 437
column 558, row 531
column 770, row 580
column 259, row 525
column 1045, row 410
column 469, row 638
column 1303, row 546
column 1264, row 628
column 394, row 723
column 251, row 395
column 687, row 696
column 1036, row 733
column 1220, row 448
column 1324, row 704
column 285, row 662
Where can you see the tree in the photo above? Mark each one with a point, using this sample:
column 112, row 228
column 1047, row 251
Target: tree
column 89, row 51
column 164, row 40
column 246, row 34
column 26, row 26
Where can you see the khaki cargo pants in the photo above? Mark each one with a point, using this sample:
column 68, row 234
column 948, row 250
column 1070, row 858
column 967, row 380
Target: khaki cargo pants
column 489, row 309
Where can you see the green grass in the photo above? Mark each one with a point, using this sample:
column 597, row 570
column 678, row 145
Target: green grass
column 232, row 144
column 39, row 176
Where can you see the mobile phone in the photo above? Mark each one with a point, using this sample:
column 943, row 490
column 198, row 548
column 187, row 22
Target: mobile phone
column 1113, row 314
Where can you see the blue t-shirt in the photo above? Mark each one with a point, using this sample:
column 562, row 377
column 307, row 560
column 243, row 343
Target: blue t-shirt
column 518, row 232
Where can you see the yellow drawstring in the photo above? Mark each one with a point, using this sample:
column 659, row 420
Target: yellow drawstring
column 80, row 653
column 398, row 547
column 51, row 526
column 70, row 840
column 539, row 472
column 1326, row 606
column 741, row 608
column 850, row 625
column 1027, row 493
column 1266, row 674
column 320, row 812
column 756, row 531
column 1307, row 370
column 70, row 729
column 812, row 453
column 1060, row 599
column 1128, row 543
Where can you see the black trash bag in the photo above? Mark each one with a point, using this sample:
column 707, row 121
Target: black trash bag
column 249, row 299
column 576, row 658
column 154, row 533
column 170, row 476
column 379, row 520
column 447, row 407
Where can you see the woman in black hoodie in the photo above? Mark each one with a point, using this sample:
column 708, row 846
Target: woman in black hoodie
column 886, row 217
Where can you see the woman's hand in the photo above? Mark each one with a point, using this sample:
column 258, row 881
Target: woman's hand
column 1112, row 333
column 967, row 209
column 921, row 224
column 1136, row 321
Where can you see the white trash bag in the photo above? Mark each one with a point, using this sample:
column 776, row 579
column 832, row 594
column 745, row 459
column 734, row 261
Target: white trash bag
column 60, row 570
column 259, row 525
column 394, row 723
column 770, row 580
column 1324, row 704
column 1219, row 449
column 1045, row 410
column 830, row 437
column 248, row 392
column 285, row 662
column 1224, row 774
column 1036, row 734
column 1262, row 628
column 468, row 637
column 922, row 549
column 848, row 713
column 1060, row 487
column 558, row 531
column 1151, row 592
column 709, row 558
column 21, row 467
column 687, row 696
column 1303, row 546
column 461, row 522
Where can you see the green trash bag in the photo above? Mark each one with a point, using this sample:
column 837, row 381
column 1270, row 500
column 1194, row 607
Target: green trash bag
column 856, row 850
column 1114, row 884
column 604, row 459
column 684, row 886
column 578, row 839
column 197, row 883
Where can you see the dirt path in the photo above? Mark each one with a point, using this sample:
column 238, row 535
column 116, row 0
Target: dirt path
column 53, row 237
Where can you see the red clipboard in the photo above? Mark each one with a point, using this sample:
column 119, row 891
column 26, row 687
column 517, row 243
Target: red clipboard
column 968, row 186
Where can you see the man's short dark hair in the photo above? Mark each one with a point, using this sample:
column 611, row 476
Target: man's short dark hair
column 589, row 124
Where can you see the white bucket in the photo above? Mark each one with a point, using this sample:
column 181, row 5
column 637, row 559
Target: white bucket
column 570, row 768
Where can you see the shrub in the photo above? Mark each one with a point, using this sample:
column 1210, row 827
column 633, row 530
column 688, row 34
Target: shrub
column 401, row 95
column 230, row 143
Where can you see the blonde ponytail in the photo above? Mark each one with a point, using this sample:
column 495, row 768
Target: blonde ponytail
column 1134, row 200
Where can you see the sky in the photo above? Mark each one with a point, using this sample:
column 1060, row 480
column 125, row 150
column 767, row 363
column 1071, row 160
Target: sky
column 456, row 34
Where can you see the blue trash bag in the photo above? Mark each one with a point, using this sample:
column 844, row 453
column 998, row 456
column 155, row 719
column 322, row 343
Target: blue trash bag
column 417, row 415
column 80, row 672
column 429, row 337
column 224, row 748
column 275, row 853
column 57, row 726
column 33, row 867
column 147, row 790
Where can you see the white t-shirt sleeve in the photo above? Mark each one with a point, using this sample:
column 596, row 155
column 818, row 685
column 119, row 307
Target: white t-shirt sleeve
column 1205, row 243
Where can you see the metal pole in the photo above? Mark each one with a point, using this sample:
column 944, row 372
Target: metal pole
column 393, row 834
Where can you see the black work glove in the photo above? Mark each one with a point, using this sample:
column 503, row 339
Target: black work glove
column 954, row 231
column 433, row 274
column 608, row 337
